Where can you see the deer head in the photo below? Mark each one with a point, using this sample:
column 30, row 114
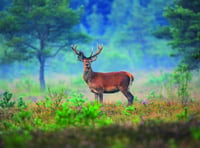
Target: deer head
column 87, row 60
column 92, row 56
column 99, row 82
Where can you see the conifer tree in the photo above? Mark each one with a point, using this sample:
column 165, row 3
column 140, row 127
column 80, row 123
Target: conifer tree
column 184, row 18
column 39, row 29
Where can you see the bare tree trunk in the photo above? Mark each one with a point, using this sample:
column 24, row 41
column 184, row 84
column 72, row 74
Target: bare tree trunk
column 41, row 77
column 42, row 58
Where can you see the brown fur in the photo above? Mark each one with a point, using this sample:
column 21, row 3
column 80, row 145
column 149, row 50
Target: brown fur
column 111, row 82
column 100, row 83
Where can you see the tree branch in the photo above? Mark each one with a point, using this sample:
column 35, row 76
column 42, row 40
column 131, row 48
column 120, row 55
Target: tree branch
column 57, row 51
column 31, row 46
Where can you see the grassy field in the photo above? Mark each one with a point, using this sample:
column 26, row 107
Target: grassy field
column 66, row 115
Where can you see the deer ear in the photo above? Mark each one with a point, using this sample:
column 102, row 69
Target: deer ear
column 81, row 56
column 93, row 58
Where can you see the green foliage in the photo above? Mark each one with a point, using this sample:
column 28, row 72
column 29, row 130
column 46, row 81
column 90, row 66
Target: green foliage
column 176, row 82
column 22, row 119
column 172, row 143
column 152, row 95
column 56, row 96
column 124, row 36
column 86, row 115
column 182, row 77
column 183, row 115
column 18, row 130
column 134, row 34
column 39, row 29
column 17, row 139
column 104, row 121
column 163, row 32
column 168, row 85
column 66, row 116
column 128, row 110
column 21, row 103
column 185, row 27
column 119, row 103
column 100, row 125
column 31, row 85
column 38, row 123
column 5, row 100
column 91, row 112
column 77, row 99
column 80, row 123
column 136, row 119
column 195, row 132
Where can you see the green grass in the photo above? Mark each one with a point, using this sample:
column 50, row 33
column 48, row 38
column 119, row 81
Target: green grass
column 63, row 117
column 74, row 121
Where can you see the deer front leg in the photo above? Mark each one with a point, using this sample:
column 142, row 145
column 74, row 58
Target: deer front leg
column 101, row 97
column 96, row 96
column 98, row 92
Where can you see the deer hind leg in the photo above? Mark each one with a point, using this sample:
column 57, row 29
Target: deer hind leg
column 129, row 96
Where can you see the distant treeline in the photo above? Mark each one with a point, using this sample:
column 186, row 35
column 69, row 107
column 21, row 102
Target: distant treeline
column 126, row 28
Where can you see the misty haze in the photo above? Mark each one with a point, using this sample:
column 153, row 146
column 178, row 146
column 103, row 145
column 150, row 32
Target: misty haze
column 48, row 91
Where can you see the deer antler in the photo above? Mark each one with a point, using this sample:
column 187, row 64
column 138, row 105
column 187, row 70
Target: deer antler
column 74, row 49
column 91, row 52
column 98, row 52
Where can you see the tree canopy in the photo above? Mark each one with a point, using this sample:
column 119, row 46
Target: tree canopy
column 124, row 27
column 184, row 19
column 39, row 29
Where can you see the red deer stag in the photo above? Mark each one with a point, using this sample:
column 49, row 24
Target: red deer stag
column 100, row 83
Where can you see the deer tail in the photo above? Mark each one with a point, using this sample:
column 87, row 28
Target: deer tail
column 131, row 77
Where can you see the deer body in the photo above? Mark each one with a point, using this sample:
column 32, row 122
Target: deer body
column 100, row 83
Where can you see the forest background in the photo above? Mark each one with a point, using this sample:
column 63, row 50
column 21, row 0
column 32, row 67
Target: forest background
column 43, row 95
column 138, row 35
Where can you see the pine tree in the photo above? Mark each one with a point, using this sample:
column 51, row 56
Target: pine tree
column 184, row 18
column 39, row 29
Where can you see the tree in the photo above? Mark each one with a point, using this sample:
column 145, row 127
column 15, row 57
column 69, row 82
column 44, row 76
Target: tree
column 132, row 27
column 184, row 18
column 39, row 29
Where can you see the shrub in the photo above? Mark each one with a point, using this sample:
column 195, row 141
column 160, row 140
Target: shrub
column 182, row 77
column 5, row 100
column 21, row 103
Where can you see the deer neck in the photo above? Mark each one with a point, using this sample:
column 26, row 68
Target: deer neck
column 87, row 74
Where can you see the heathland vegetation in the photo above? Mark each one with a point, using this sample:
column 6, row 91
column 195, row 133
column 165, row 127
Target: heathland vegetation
column 44, row 101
